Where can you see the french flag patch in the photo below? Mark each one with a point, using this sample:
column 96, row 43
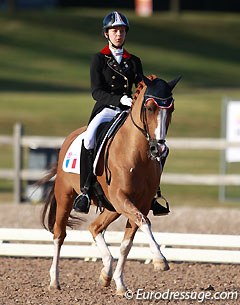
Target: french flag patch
column 71, row 161
column 74, row 162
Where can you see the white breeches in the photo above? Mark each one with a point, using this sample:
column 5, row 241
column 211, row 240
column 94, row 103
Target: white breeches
column 106, row 115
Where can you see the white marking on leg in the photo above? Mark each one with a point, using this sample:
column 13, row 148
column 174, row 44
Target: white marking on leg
column 107, row 258
column 54, row 270
column 118, row 273
column 141, row 219
column 154, row 247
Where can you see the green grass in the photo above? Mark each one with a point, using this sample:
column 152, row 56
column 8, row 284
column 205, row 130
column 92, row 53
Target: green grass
column 44, row 78
column 197, row 114
column 43, row 113
column 51, row 51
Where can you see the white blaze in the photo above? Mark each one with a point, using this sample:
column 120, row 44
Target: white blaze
column 160, row 131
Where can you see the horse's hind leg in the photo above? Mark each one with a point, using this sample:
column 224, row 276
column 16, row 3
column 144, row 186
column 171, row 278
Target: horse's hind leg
column 64, row 206
column 125, row 247
column 96, row 228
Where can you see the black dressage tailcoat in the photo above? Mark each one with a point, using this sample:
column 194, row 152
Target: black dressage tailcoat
column 110, row 80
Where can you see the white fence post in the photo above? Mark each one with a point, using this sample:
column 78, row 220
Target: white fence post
column 18, row 131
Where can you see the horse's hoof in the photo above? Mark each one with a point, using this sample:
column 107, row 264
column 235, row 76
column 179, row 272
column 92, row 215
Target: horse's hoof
column 121, row 292
column 52, row 287
column 161, row 264
column 104, row 279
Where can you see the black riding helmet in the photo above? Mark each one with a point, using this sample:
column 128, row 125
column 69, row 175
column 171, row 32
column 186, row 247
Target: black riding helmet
column 115, row 19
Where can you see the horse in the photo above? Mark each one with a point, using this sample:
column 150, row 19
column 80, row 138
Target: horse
column 134, row 161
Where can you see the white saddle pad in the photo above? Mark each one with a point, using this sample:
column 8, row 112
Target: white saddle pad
column 71, row 162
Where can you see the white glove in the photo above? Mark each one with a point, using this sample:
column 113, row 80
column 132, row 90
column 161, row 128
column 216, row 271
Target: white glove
column 126, row 101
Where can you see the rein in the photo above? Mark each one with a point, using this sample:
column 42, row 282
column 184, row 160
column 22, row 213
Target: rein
column 143, row 131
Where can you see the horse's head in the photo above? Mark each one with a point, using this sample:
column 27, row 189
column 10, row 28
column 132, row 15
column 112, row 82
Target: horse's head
column 156, row 111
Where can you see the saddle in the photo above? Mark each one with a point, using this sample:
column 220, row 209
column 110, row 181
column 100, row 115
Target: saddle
column 71, row 162
column 105, row 132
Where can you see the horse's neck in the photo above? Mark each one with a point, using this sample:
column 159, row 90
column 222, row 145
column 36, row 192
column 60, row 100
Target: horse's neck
column 134, row 142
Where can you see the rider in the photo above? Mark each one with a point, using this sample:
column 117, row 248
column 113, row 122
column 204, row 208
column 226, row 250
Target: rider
column 113, row 72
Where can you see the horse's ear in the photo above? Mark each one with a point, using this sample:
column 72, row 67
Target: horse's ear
column 173, row 82
column 146, row 80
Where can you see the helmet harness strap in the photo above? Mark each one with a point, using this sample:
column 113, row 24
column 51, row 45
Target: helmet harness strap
column 112, row 44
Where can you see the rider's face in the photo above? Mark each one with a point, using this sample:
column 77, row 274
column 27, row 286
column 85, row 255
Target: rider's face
column 117, row 35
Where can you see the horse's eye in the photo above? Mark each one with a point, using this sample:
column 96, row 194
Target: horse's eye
column 149, row 108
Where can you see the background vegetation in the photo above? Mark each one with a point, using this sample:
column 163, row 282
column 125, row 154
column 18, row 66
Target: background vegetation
column 44, row 78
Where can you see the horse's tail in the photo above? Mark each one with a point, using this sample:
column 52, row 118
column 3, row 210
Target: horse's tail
column 49, row 209
column 48, row 214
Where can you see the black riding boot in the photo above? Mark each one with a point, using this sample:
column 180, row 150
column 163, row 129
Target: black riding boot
column 82, row 201
column 157, row 208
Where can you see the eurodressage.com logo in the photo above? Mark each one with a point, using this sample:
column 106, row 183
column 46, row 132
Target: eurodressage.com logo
column 198, row 296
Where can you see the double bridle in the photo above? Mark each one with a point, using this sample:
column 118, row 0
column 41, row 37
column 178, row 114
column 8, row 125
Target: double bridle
column 166, row 103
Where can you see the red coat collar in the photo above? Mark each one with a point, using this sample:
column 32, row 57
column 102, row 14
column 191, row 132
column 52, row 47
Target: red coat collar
column 106, row 51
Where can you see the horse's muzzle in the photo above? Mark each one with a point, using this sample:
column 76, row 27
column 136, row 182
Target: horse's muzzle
column 158, row 148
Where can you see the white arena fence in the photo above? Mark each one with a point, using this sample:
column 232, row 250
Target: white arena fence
column 18, row 174
column 177, row 247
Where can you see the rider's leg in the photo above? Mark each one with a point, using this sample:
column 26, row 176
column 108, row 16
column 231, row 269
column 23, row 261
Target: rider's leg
column 82, row 201
column 156, row 207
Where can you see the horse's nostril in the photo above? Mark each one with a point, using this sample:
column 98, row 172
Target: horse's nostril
column 162, row 148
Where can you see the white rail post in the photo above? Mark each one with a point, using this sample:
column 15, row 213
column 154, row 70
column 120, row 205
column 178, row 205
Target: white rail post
column 18, row 131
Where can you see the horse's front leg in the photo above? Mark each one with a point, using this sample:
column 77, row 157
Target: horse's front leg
column 128, row 209
column 96, row 228
column 159, row 261
column 125, row 247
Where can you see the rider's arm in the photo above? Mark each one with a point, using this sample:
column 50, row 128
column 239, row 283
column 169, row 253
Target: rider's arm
column 101, row 91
